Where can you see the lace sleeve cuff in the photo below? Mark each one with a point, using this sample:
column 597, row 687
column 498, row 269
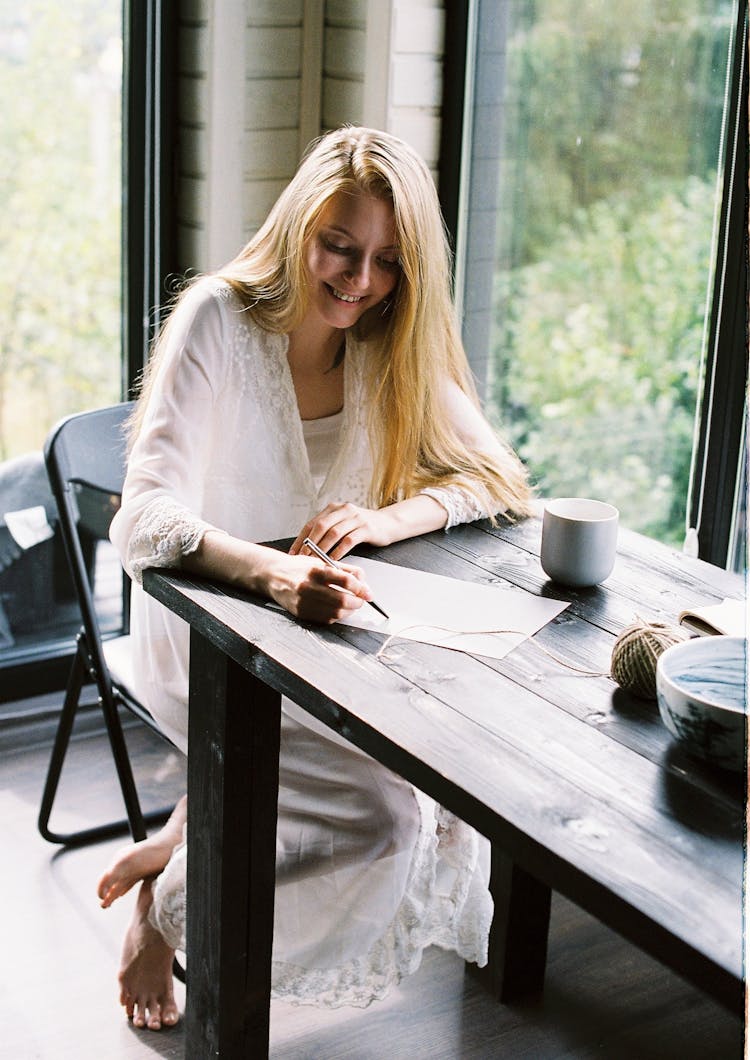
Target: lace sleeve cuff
column 461, row 506
column 164, row 533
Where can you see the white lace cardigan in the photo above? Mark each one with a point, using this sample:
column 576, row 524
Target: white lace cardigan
column 222, row 446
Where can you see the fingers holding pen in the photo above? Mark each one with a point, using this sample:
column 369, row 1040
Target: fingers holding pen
column 315, row 592
column 332, row 594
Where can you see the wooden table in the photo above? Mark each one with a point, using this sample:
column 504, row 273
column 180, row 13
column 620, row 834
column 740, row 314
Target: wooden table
column 577, row 784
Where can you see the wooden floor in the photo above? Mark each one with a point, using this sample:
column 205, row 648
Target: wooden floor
column 58, row 995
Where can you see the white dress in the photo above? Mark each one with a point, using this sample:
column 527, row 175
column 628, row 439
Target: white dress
column 369, row 871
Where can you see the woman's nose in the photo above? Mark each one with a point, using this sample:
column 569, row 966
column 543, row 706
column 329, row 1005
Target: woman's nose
column 359, row 271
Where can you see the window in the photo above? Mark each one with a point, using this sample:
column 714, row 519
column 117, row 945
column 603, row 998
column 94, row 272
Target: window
column 588, row 235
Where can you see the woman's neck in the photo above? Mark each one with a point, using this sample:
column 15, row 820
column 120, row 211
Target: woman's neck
column 317, row 373
column 313, row 346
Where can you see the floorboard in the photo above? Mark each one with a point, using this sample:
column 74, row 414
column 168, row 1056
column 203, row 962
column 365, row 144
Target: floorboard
column 58, row 993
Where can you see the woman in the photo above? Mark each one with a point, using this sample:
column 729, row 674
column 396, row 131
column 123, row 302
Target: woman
column 315, row 387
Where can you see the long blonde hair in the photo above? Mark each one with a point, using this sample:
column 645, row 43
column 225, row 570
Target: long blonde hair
column 413, row 346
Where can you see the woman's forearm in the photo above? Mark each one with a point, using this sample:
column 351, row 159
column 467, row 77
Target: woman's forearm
column 414, row 516
column 229, row 559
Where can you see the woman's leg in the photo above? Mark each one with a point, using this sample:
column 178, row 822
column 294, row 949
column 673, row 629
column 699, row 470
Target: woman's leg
column 143, row 860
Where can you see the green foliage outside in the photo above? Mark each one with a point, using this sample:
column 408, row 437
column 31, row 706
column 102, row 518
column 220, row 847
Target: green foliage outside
column 607, row 192
column 60, row 202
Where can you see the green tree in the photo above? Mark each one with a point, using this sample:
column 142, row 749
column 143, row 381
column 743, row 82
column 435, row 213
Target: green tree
column 60, row 200
column 600, row 391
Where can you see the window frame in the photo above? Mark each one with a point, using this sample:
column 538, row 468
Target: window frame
column 474, row 33
column 722, row 441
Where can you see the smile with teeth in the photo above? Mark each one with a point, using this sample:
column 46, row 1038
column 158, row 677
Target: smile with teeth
column 342, row 297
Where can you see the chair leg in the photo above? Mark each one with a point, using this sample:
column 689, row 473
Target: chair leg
column 60, row 746
column 136, row 821
column 122, row 765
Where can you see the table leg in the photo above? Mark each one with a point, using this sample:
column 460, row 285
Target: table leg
column 233, row 781
column 518, row 938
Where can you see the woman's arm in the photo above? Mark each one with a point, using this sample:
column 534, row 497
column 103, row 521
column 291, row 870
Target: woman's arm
column 305, row 587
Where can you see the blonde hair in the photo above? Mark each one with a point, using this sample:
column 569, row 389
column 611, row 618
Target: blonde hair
column 413, row 345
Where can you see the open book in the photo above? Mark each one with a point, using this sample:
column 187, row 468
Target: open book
column 729, row 617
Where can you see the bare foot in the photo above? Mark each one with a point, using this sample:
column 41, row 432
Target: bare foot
column 140, row 861
column 146, row 970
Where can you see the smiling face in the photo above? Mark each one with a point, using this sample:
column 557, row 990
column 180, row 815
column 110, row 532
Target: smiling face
column 352, row 259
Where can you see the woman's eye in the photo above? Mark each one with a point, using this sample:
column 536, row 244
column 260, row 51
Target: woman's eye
column 391, row 264
column 335, row 248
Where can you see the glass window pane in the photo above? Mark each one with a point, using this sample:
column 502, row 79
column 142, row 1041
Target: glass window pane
column 609, row 155
column 60, row 191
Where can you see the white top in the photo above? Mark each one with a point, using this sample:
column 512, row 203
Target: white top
column 322, row 439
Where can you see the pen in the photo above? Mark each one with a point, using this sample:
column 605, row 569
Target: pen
column 332, row 563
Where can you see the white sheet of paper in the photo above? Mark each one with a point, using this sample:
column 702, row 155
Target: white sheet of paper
column 448, row 612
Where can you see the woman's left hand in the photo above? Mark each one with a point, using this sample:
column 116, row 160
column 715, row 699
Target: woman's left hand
column 339, row 527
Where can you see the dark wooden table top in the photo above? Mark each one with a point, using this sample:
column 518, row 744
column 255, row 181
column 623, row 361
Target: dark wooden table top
column 578, row 781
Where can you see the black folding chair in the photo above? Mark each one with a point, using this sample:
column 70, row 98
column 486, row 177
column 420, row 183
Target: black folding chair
column 85, row 456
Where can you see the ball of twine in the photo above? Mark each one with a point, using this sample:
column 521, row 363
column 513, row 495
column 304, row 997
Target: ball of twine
column 636, row 651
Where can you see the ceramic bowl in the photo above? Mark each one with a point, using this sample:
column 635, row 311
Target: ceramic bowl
column 701, row 687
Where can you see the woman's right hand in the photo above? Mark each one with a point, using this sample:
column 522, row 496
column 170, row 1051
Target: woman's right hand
column 313, row 591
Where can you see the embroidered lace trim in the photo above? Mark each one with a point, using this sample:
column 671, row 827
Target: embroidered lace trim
column 168, row 912
column 164, row 533
column 461, row 506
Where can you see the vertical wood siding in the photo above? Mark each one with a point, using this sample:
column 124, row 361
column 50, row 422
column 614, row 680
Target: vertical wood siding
column 394, row 75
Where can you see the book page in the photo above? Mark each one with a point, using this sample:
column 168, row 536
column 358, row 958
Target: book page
column 729, row 617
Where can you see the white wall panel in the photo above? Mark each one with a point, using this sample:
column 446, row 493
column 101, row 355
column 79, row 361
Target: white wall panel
column 416, row 81
column 260, row 195
column 344, row 49
column 192, row 108
column 273, row 51
column 269, row 152
column 342, row 102
column 272, row 104
column 250, row 101
column 274, row 12
column 347, row 12
column 418, row 28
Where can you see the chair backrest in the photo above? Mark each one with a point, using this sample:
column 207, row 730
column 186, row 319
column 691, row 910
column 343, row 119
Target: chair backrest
column 86, row 458
column 90, row 448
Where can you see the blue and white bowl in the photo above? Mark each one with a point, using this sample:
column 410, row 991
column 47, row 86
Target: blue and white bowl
column 701, row 687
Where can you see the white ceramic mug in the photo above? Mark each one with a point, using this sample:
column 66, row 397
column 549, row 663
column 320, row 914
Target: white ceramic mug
column 579, row 540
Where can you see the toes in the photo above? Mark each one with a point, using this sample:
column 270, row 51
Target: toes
column 146, row 1015
column 152, row 1014
column 126, row 1000
column 169, row 1014
column 154, row 1019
